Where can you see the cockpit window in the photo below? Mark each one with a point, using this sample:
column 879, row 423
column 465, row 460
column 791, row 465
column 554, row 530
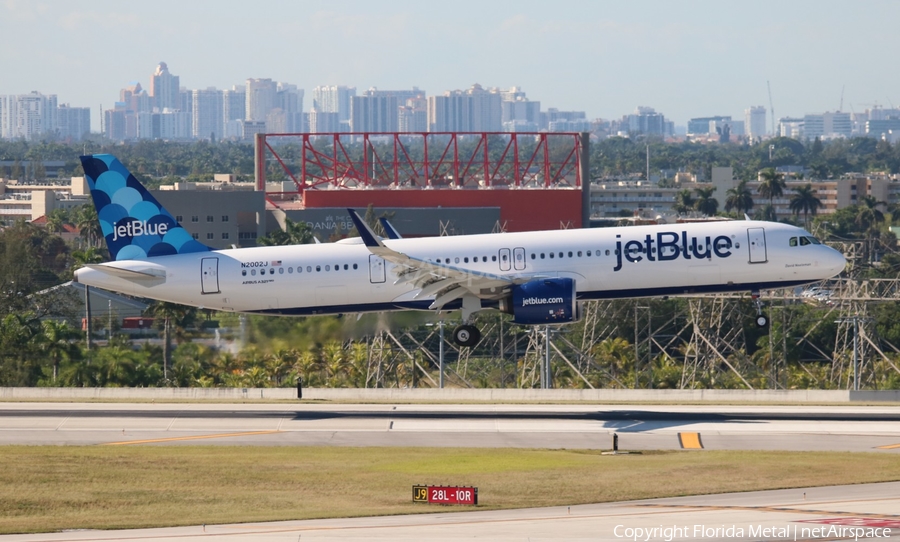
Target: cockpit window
column 793, row 241
column 814, row 241
column 805, row 241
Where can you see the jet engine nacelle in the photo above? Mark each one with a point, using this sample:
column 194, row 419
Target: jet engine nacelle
column 543, row 301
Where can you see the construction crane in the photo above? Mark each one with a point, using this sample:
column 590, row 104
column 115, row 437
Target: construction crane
column 842, row 99
column 771, row 107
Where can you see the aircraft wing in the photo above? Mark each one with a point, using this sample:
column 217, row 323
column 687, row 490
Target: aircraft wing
column 446, row 282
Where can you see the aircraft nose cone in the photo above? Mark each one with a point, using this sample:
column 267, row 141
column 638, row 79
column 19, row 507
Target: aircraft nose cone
column 835, row 261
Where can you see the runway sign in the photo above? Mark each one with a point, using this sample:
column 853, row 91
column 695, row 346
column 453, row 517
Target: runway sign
column 445, row 494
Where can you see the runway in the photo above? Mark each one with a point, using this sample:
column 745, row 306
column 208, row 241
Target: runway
column 864, row 512
column 791, row 428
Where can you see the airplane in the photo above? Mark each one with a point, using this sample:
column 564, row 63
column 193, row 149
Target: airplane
column 538, row 277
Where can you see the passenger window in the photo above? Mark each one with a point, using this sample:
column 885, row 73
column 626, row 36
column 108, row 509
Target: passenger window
column 589, row 253
column 253, row 272
column 551, row 255
column 280, row 270
column 290, row 270
column 570, row 253
column 272, row 271
column 354, row 266
column 244, row 272
column 493, row 258
column 309, row 269
column 455, row 260
column 560, row 254
column 318, row 268
column 484, row 259
column 327, row 268
column 579, row 253
column 793, row 241
column 533, row 255
column 345, row 267
column 542, row 255
column 466, row 259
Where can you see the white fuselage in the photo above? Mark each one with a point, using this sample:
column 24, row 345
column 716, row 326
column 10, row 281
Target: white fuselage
column 341, row 277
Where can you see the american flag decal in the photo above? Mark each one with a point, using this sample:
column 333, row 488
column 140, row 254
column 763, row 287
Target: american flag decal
column 276, row 263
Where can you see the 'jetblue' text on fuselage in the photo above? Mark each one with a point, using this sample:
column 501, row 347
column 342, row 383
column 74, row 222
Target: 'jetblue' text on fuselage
column 670, row 245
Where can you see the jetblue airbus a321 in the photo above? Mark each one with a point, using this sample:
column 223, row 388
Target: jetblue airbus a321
column 538, row 277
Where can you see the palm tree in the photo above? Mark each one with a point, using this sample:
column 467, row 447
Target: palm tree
column 739, row 198
column 804, row 200
column 89, row 225
column 172, row 314
column 56, row 343
column 771, row 184
column 868, row 216
column 684, row 201
column 705, row 202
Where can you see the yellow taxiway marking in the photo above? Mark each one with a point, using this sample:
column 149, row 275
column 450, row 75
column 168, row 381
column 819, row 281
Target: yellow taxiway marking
column 193, row 437
column 690, row 441
column 888, row 447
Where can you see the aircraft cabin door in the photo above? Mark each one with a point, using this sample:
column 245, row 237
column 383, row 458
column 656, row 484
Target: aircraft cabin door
column 756, row 242
column 209, row 275
column 519, row 258
column 376, row 269
column 504, row 259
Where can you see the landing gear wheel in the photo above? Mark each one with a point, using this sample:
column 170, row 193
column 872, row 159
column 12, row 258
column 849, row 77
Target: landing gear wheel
column 761, row 320
column 466, row 335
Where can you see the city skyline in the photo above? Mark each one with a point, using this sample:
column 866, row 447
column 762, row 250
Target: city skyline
column 603, row 58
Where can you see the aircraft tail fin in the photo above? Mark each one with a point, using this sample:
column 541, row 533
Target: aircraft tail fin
column 133, row 222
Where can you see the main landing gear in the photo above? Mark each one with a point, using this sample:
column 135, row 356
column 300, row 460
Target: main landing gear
column 466, row 335
column 761, row 319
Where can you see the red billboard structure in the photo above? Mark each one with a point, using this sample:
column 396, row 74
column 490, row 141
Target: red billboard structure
column 535, row 179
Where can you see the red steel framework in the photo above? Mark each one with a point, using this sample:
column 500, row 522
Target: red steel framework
column 420, row 160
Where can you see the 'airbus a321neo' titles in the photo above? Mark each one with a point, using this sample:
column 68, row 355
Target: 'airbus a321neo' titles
column 538, row 277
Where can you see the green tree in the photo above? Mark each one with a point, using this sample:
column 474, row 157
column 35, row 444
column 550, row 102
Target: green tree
column 705, row 202
column 56, row 344
column 804, row 200
column 739, row 198
column 294, row 233
column 684, row 201
column 771, row 184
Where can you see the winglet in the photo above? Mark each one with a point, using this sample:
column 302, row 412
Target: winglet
column 389, row 229
column 365, row 232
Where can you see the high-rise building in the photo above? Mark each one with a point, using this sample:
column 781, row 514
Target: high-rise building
column 164, row 88
column 324, row 122
column 260, row 98
column 485, row 109
column 518, row 113
column 755, row 119
column 74, row 122
column 207, row 114
column 413, row 115
column 827, row 125
column 449, row 113
column 28, row 115
column 334, row 99
column 374, row 114
column 707, row 125
column 646, row 120
column 288, row 110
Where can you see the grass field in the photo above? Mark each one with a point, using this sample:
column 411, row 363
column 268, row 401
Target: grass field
column 47, row 488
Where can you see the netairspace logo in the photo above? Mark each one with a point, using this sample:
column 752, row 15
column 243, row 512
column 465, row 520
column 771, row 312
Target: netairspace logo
column 541, row 301
column 136, row 228
column 751, row 532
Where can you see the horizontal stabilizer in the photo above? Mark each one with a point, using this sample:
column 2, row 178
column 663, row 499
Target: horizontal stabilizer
column 144, row 276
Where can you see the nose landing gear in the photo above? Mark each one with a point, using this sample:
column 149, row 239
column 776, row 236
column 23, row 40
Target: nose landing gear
column 761, row 319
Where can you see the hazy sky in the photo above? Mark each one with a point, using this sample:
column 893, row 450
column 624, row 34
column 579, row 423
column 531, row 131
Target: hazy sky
column 684, row 58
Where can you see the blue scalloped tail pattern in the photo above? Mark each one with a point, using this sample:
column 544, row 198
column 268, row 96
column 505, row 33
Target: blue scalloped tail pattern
column 134, row 224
